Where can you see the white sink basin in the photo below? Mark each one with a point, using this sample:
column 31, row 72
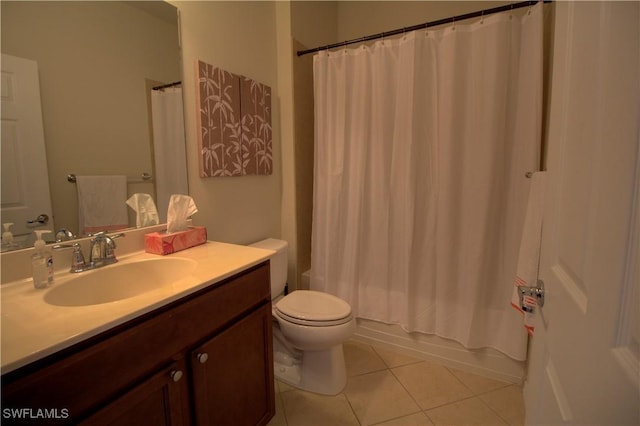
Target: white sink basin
column 119, row 281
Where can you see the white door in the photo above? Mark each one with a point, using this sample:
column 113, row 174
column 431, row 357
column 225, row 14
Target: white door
column 25, row 180
column 584, row 359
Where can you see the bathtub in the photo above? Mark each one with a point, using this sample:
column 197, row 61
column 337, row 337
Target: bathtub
column 485, row 362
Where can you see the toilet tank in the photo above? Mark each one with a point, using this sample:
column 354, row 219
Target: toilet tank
column 278, row 263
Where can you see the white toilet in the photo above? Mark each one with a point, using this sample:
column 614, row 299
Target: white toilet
column 308, row 332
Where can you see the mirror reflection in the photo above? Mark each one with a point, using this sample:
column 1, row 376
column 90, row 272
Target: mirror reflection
column 96, row 65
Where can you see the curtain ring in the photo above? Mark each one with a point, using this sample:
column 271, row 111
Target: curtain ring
column 482, row 17
column 453, row 23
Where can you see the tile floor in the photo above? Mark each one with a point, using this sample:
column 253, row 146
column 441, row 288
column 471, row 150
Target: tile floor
column 387, row 388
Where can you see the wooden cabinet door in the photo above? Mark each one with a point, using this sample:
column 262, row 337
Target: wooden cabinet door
column 233, row 374
column 162, row 399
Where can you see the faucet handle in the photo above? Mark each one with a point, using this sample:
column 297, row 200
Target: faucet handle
column 102, row 235
column 78, row 264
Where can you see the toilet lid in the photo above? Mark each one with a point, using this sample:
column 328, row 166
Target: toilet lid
column 312, row 305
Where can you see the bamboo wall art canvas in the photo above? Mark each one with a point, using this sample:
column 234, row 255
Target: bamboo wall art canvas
column 234, row 124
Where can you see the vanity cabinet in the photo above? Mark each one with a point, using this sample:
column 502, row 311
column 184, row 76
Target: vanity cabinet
column 205, row 359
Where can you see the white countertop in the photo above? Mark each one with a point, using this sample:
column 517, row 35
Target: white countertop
column 33, row 329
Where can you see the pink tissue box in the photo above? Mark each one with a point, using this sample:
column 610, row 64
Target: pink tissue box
column 163, row 243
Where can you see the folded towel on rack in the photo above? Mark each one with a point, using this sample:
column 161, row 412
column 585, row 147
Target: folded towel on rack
column 102, row 203
column 529, row 256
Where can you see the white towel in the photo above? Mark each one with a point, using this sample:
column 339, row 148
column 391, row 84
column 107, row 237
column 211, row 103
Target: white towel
column 102, row 203
column 529, row 256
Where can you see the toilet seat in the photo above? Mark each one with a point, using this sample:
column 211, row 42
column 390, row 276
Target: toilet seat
column 313, row 308
column 311, row 323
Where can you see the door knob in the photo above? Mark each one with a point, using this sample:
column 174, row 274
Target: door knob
column 535, row 292
column 42, row 219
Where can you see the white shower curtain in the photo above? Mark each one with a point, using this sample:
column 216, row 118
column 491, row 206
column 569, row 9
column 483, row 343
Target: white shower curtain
column 168, row 147
column 422, row 145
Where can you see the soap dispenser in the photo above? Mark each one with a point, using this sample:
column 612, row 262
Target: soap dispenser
column 41, row 262
column 7, row 236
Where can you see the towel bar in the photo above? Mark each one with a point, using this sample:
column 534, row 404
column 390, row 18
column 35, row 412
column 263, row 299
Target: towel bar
column 144, row 177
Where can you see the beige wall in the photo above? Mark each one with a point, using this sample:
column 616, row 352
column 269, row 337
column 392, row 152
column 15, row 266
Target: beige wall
column 239, row 37
column 314, row 23
column 93, row 59
column 289, row 222
column 256, row 39
column 360, row 18
column 304, row 155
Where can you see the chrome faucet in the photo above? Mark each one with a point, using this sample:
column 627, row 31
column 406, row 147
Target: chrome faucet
column 101, row 249
column 101, row 252
column 64, row 234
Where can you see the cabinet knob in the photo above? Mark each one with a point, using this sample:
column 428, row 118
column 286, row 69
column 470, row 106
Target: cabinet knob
column 176, row 375
column 202, row 357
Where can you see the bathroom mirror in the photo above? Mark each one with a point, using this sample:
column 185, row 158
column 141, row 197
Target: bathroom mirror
column 97, row 62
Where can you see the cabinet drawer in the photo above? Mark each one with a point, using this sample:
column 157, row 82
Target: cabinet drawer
column 90, row 374
column 213, row 310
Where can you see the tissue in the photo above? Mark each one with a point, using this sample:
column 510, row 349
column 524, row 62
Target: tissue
column 164, row 243
column 180, row 208
column 178, row 236
column 145, row 208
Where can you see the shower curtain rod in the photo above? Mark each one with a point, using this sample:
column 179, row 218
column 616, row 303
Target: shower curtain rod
column 451, row 19
column 164, row 86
